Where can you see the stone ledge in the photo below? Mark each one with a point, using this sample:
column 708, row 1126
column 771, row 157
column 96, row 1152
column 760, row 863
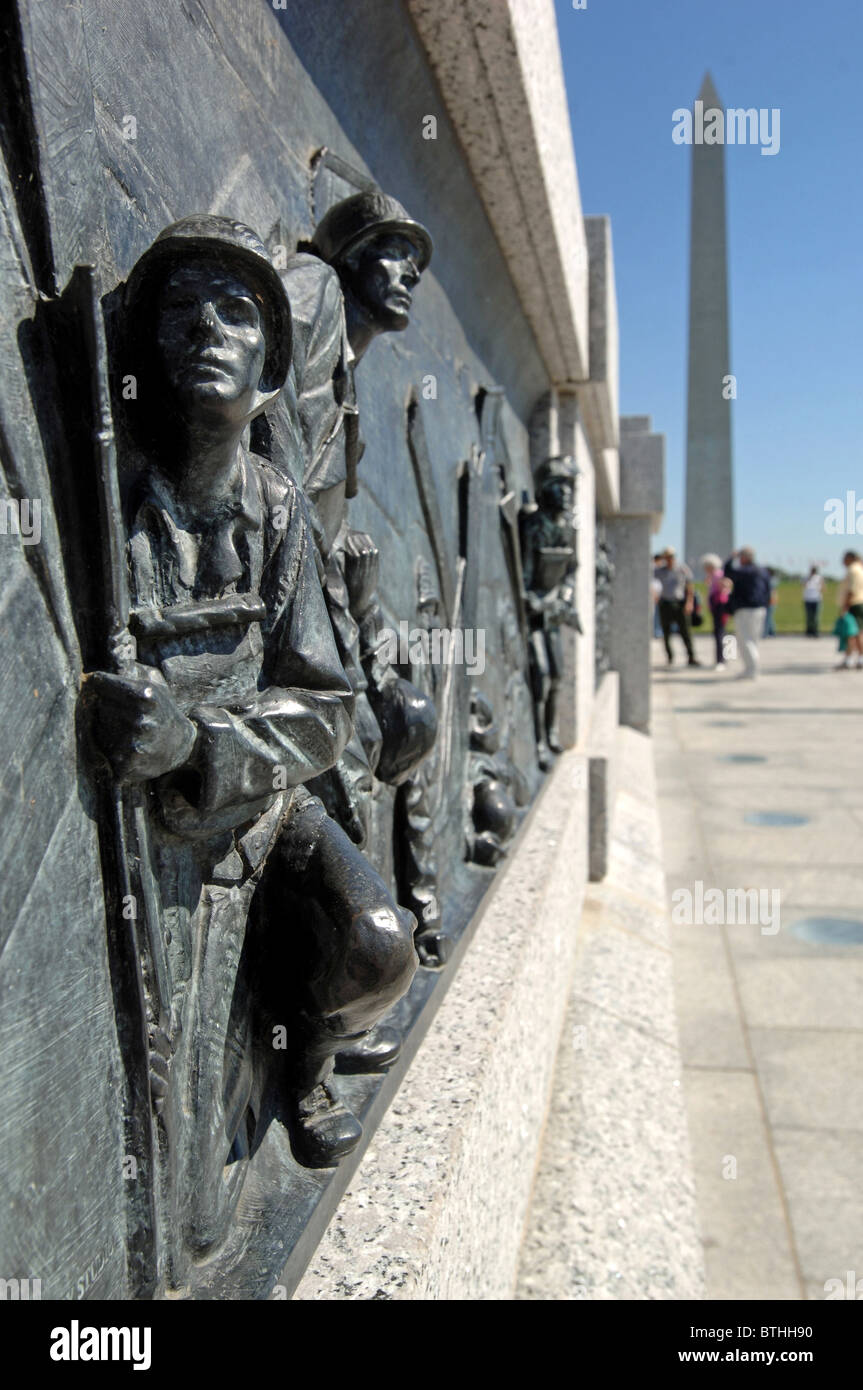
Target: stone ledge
column 600, row 754
column 598, row 397
column 437, row 1207
column 607, row 462
column 613, row 1212
column 500, row 74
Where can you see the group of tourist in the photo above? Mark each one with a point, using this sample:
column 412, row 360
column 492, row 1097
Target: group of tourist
column 748, row 591
column 738, row 587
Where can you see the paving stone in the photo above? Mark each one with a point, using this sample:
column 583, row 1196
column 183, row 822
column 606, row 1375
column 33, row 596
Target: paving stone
column 811, row 1080
column 711, row 1030
column 747, row 998
column 747, row 1244
column 821, row 1174
column 811, row 993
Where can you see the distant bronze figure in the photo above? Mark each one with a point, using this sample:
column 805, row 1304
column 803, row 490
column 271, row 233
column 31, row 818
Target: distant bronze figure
column 237, row 697
column 418, row 801
column 499, row 789
column 605, row 571
column 549, row 560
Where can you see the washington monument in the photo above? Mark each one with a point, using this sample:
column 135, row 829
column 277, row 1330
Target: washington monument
column 709, row 515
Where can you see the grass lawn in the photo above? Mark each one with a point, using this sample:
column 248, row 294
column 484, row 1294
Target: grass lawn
column 789, row 614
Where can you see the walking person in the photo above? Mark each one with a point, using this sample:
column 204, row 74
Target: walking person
column 675, row 602
column 749, row 601
column 844, row 628
column 718, row 591
column 656, row 590
column 769, row 619
column 851, row 601
column 813, row 590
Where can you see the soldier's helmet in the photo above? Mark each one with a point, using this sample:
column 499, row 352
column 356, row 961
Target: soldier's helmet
column 559, row 467
column 363, row 217
column 230, row 246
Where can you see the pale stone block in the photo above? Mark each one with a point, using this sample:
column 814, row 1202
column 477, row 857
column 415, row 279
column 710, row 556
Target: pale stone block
column 642, row 475
column 598, row 397
column 600, row 752
column 636, row 424
column 500, row 74
column 607, row 464
column 642, row 499
column 632, row 608
column 613, row 1212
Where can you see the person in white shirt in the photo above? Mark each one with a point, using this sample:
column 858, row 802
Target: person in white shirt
column 813, row 591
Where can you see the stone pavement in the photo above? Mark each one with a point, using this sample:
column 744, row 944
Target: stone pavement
column 771, row 1022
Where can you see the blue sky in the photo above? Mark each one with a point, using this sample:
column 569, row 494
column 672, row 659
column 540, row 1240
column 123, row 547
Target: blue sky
column 795, row 234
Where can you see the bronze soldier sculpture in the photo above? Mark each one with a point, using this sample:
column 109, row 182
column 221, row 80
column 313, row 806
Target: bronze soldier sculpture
column 549, row 560
column 365, row 258
column 236, row 700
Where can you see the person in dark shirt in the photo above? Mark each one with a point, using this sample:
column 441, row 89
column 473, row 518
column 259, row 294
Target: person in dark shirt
column 749, row 602
column 676, row 600
column 769, row 617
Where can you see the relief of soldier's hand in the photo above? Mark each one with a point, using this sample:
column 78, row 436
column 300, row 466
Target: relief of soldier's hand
column 136, row 724
column 553, row 606
column 569, row 617
column 361, row 570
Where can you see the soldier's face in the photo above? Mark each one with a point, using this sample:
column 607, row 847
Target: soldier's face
column 559, row 495
column 383, row 278
column 212, row 342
